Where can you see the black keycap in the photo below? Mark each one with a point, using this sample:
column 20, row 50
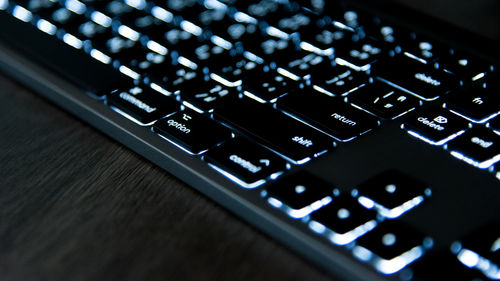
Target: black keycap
column 343, row 220
column 192, row 131
column 330, row 115
column 477, row 104
column 266, row 86
column 392, row 246
column 325, row 38
column 291, row 138
column 299, row 194
column 478, row 146
column 337, row 81
column 392, row 193
column 360, row 55
column 443, row 265
column 170, row 75
column 245, row 162
column 383, row 100
column 206, row 94
column 230, row 69
column 305, row 65
column 424, row 49
column 142, row 104
column 481, row 250
column 55, row 54
column 494, row 124
column 419, row 79
column 435, row 125
column 466, row 68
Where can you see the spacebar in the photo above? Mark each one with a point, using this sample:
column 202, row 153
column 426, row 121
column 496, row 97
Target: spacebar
column 281, row 133
column 73, row 64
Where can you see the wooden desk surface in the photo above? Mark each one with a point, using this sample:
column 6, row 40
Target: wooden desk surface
column 76, row 205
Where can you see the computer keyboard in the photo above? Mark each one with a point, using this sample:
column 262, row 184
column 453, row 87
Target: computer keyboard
column 256, row 91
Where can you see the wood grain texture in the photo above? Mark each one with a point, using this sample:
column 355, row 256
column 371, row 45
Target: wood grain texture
column 76, row 205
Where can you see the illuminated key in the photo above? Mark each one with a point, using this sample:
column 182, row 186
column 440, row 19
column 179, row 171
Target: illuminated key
column 299, row 194
column 391, row 247
column 392, row 193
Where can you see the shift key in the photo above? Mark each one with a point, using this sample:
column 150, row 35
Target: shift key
column 279, row 132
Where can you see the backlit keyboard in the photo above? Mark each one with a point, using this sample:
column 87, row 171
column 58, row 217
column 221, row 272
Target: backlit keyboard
column 256, row 90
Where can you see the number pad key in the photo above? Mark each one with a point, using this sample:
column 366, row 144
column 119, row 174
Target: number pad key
column 245, row 162
column 391, row 247
column 435, row 125
column 343, row 220
column 392, row 193
column 383, row 100
column 299, row 194
column 481, row 251
column 478, row 146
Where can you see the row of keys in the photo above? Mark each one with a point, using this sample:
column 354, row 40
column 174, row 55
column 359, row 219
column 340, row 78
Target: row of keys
column 458, row 125
column 352, row 220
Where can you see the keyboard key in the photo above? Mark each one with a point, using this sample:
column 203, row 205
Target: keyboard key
column 206, row 94
column 360, row 55
column 416, row 78
column 299, row 194
column 392, row 193
column 435, row 125
column 481, row 250
column 55, row 54
column 466, row 68
column 383, row 100
column 337, row 81
column 304, row 66
column 494, row 124
column 266, row 86
column 142, row 104
column 291, row 138
column 443, row 265
column 391, row 246
column 330, row 115
column 245, row 162
column 230, row 69
column 192, row 131
column 478, row 146
column 343, row 220
column 477, row 104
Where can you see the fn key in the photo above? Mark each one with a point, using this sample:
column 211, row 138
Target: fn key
column 245, row 162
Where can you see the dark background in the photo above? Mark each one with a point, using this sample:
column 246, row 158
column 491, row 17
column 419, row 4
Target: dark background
column 76, row 205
